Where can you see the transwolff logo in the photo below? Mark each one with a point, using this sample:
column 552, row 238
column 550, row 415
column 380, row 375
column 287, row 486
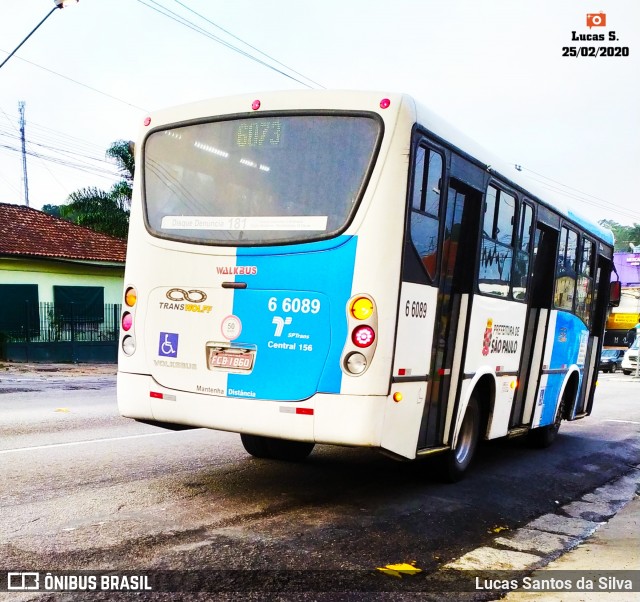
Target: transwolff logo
column 238, row 270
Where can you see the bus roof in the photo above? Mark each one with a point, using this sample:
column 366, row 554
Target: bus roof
column 370, row 100
column 505, row 171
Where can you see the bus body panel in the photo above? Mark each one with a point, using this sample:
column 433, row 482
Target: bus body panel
column 565, row 352
column 253, row 339
column 495, row 334
column 378, row 259
column 414, row 335
column 494, row 345
column 297, row 352
column 535, row 373
column 402, row 418
column 289, row 319
column 331, row 419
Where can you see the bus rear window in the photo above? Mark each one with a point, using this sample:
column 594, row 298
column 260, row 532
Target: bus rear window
column 258, row 180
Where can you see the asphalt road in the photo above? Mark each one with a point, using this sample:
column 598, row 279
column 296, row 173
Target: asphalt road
column 83, row 489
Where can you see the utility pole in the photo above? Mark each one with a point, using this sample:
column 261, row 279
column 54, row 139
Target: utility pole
column 24, row 153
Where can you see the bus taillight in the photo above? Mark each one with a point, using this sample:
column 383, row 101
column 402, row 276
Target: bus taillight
column 361, row 308
column 128, row 343
column 363, row 336
column 362, row 327
column 130, row 296
column 127, row 321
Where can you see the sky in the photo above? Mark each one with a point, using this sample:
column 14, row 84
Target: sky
column 493, row 68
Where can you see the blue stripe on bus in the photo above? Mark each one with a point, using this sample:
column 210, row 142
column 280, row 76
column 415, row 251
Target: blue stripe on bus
column 604, row 233
column 293, row 310
column 568, row 334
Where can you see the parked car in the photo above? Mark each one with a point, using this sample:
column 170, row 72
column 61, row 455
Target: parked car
column 611, row 360
column 630, row 359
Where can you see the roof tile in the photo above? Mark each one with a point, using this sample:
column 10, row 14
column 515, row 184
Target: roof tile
column 27, row 232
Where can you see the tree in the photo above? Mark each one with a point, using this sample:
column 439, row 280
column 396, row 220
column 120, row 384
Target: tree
column 624, row 235
column 122, row 152
column 105, row 211
column 51, row 210
column 99, row 210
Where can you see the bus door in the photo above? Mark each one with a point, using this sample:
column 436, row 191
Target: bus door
column 597, row 318
column 544, row 247
column 457, row 265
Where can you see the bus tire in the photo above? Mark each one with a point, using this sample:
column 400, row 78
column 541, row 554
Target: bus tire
column 289, row 451
column 276, row 449
column 255, row 445
column 453, row 464
column 544, row 436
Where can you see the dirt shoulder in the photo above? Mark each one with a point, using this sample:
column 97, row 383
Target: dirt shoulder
column 43, row 370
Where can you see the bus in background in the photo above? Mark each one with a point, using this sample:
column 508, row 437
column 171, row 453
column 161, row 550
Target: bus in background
column 345, row 268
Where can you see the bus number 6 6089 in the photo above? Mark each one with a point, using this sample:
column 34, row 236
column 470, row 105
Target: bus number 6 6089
column 295, row 305
column 415, row 309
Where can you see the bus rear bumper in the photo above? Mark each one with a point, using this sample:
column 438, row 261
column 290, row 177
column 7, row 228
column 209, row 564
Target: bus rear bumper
column 353, row 420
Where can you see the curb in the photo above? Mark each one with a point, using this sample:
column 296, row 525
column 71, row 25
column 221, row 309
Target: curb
column 563, row 541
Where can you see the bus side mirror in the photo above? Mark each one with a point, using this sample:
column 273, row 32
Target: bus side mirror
column 615, row 292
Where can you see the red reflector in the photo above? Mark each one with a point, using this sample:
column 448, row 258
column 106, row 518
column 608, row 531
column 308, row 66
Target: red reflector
column 255, row 105
column 307, row 411
column 155, row 395
column 147, row 120
column 441, row 372
column 401, row 371
column 385, row 103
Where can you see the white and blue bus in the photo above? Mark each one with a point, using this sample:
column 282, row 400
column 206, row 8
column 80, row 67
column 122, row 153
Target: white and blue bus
column 345, row 268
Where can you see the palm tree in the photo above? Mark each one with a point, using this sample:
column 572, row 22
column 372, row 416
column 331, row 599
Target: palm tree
column 105, row 211
column 99, row 210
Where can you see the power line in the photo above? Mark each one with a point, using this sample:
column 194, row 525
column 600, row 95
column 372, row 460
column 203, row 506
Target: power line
column 75, row 81
column 183, row 21
column 49, row 135
column 604, row 205
column 60, row 147
column 69, row 145
column 102, row 172
column 235, row 37
column 520, row 168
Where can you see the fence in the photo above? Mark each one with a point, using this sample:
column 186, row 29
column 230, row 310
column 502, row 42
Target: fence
column 47, row 332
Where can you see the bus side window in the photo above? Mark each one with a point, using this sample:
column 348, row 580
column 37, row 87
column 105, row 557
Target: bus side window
column 496, row 256
column 425, row 207
column 564, row 295
column 523, row 253
column 584, row 294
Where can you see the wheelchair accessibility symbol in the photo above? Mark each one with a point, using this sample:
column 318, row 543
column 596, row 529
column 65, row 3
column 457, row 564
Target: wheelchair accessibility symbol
column 168, row 345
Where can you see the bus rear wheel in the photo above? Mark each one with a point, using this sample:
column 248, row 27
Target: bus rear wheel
column 454, row 463
column 544, row 436
column 276, row 449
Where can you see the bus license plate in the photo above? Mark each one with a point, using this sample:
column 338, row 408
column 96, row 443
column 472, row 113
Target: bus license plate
column 236, row 359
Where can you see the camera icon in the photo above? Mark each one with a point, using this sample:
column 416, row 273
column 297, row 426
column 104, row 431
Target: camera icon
column 596, row 20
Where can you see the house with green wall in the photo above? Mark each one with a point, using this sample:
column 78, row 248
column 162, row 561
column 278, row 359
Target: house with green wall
column 60, row 288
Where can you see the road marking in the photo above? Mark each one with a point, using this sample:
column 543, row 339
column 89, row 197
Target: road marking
column 69, row 443
column 623, row 421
